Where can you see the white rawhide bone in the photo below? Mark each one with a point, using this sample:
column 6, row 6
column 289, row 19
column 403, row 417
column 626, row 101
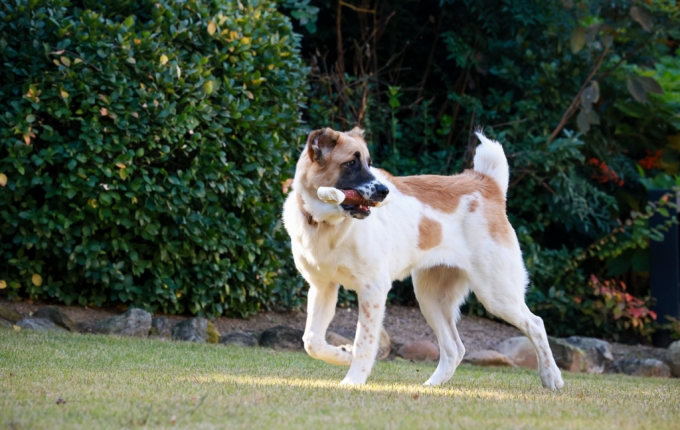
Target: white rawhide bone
column 330, row 195
column 335, row 196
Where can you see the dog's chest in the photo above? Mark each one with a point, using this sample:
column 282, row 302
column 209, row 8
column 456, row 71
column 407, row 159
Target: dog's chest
column 339, row 262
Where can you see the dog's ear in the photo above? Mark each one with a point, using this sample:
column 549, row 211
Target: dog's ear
column 320, row 143
column 356, row 132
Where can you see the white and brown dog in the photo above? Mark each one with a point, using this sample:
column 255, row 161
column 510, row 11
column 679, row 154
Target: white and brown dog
column 450, row 233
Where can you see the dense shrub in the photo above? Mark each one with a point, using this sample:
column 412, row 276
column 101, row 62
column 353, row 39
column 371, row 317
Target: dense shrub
column 143, row 144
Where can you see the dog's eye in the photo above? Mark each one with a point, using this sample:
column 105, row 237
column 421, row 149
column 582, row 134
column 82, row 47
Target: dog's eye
column 351, row 163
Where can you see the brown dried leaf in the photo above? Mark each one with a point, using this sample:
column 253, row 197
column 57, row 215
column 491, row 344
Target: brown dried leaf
column 582, row 122
column 642, row 17
column 590, row 95
column 636, row 89
column 649, row 84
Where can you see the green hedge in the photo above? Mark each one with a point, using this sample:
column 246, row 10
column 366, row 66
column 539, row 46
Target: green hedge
column 143, row 145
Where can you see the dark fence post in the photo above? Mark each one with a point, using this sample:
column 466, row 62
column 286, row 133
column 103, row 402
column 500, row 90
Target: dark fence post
column 664, row 271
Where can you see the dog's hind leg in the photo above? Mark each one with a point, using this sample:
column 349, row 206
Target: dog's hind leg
column 321, row 301
column 440, row 291
column 500, row 286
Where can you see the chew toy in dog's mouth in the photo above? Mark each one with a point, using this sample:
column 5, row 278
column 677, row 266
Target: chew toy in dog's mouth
column 350, row 200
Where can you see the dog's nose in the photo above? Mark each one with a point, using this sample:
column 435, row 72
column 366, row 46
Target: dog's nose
column 381, row 191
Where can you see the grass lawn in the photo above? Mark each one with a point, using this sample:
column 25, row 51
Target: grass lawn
column 111, row 382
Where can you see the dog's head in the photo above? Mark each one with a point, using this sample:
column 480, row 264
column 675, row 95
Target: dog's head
column 340, row 160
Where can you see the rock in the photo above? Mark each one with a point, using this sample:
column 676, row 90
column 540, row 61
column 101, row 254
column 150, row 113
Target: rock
column 385, row 345
column 5, row 324
column 419, row 350
column 191, row 330
column 238, row 338
column 567, row 356
column 85, row 326
column 57, row 316
column 673, row 358
column 9, row 314
column 160, row 328
column 642, row 367
column 38, row 324
column 282, row 337
column 134, row 322
column 487, row 358
column 520, row 351
column 336, row 339
column 597, row 353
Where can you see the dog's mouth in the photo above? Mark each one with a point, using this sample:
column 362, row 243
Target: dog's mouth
column 358, row 208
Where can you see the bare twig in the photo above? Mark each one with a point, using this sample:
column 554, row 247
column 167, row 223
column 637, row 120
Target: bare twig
column 574, row 103
column 338, row 31
column 472, row 138
column 503, row 124
column 625, row 57
column 516, row 181
column 358, row 9
column 79, row 57
column 431, row 55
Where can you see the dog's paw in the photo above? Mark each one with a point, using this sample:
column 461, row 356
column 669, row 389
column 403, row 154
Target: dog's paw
column 347, row 382
column 552, row 379
column 431, row 383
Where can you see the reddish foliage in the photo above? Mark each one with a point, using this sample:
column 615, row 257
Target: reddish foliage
column 622, row 304
column 604, row 173
column 651, row 159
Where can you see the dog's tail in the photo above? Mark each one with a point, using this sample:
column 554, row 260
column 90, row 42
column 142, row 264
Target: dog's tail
column 490, row 160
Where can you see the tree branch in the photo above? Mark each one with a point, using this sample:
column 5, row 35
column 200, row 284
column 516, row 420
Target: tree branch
column 574, row 103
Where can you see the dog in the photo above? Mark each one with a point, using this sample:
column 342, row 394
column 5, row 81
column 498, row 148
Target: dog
column 450, row 233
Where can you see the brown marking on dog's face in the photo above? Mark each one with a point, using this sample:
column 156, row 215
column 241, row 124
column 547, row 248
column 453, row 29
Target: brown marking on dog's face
column 473, row 205
column 326, row 151
column 429, row 233
column 444, row 193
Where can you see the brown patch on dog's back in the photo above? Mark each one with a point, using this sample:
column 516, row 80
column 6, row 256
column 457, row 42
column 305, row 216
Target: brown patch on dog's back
column 499, row 227
column 443, row 193
column 429, row 233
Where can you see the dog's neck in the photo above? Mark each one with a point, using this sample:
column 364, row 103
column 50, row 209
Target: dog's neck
column 301, row 205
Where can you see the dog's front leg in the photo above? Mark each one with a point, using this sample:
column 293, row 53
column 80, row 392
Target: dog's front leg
column 321, row 300
column 372, row 299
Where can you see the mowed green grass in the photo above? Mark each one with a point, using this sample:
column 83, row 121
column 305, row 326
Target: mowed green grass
column 112, row 382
